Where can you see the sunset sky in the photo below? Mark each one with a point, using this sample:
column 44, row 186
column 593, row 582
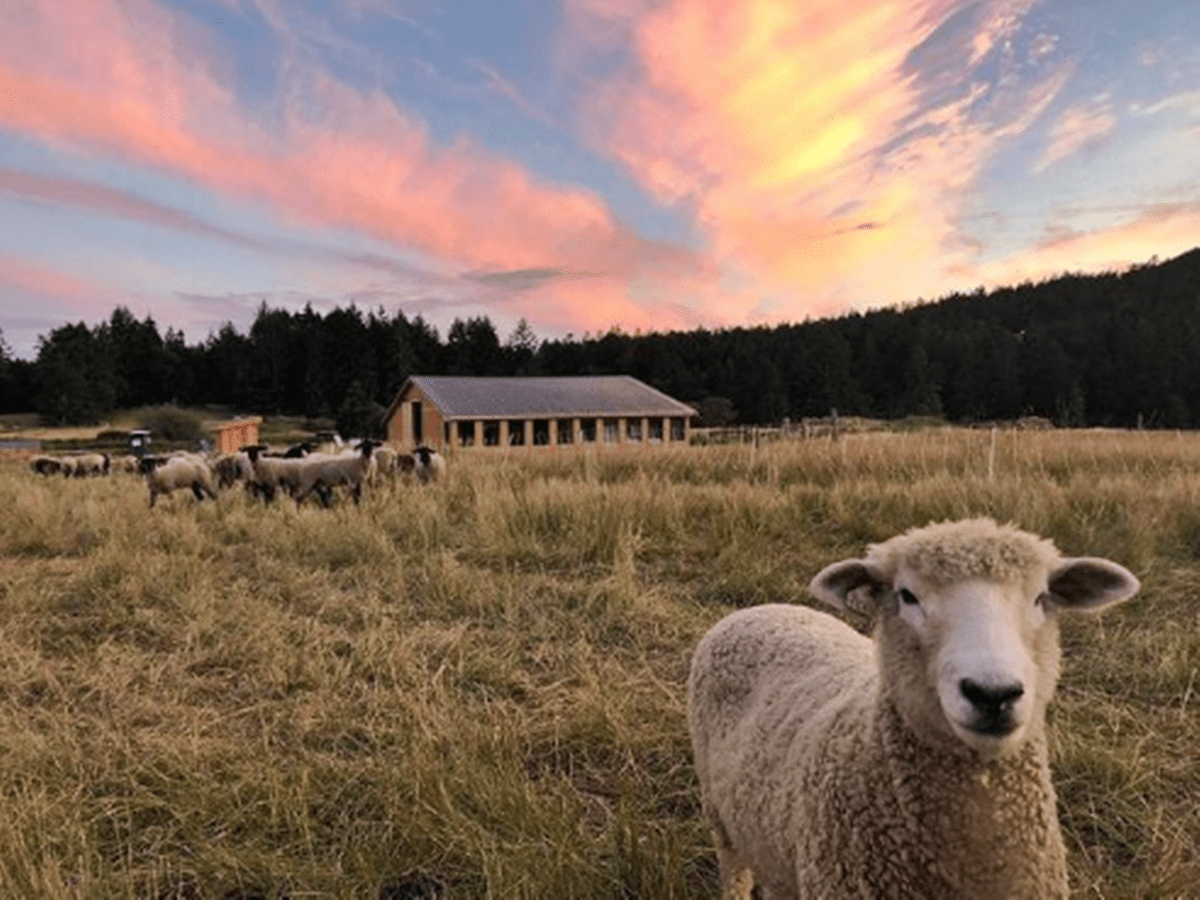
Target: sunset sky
column 583, row 164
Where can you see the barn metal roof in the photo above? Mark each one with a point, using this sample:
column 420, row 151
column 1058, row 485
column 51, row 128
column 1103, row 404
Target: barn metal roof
column 464, row 397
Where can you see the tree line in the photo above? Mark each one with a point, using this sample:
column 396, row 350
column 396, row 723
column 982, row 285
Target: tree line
column 1119, row 349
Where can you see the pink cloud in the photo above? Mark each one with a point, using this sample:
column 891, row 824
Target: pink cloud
column 798, row 135
column 1163, row 230
column 20, row 276
column 1078, row 128
column 122, row 80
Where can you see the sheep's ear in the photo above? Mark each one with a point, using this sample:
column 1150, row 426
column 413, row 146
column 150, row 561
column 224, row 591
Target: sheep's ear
column 1088, row 583
column 843, row 582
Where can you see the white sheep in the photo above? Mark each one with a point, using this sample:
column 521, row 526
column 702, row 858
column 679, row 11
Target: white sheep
column 87, row 464
column 386, row 461
column 428, row 465
column 272, row 473
column 230, row 468
column 166, row 474
column 128, row 463
column 323, row 472
column 911, row 766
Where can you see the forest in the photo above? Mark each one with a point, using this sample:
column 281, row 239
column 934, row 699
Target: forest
column 1116, row 349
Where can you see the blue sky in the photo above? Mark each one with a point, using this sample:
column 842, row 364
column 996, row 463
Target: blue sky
column 581, row 164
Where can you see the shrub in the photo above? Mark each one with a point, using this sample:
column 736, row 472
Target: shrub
column 172, row 423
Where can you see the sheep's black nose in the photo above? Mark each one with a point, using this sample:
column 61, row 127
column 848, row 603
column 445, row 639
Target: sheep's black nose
column 990, row 700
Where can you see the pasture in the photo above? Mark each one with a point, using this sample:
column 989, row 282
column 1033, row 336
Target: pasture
column 479, row 684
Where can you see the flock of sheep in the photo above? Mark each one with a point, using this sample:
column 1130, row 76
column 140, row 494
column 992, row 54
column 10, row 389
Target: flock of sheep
column 297, row 471
column 833, row 765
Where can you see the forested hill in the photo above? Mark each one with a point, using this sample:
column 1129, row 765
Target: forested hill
column 1111, row 349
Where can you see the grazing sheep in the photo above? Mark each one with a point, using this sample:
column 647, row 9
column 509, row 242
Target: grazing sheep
column 322, row 473
column 428, row 465
column 128, row 463
column 46, row 465
column 88, row 464
column 166, row 474
column 230, row 468
column 911, row 766
column 272, row 473
column 386, row 461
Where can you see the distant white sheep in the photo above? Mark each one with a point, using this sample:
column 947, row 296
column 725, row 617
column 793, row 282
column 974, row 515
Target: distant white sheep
column 322, row 473
column 273, row 473
column 231, row 468
column 428, row 465
column 89, row 464
column 911, row 766
column 386, row 461
column 167, row 474
column 128, row 463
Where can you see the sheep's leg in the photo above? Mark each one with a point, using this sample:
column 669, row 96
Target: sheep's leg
column 737, row 881
column 197, row 492
column 356, row 492
column 153, row 496
column 324, row 493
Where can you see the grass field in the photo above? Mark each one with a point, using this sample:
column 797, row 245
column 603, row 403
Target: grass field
column 481, row 684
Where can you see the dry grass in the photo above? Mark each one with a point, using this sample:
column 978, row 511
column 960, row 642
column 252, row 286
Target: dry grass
column 482, row 683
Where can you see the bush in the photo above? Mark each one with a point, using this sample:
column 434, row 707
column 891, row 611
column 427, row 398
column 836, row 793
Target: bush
column 172, row 424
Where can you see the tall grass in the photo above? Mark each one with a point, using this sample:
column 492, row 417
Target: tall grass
column 480, row 685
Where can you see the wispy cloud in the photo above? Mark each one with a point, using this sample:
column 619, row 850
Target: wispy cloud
column 500, row 86
column 787, row 127
column 1079, row 128
column 526, row 279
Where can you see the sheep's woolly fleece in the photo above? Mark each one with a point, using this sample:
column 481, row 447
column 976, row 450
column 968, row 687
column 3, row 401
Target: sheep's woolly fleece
column 830, row 765
column 973, row 548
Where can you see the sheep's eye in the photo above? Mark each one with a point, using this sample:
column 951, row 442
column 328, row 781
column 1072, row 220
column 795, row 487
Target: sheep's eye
column 907, row 596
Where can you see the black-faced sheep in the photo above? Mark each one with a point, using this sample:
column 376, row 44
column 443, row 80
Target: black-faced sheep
column 322, row 473
column 272, row 473
column 428, row 465
column 911, row 766
column 231, row 468
column 167, row 474
column 46, row 465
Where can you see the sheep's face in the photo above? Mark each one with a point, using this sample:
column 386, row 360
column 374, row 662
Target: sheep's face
column 976, row 660
column 967, row 636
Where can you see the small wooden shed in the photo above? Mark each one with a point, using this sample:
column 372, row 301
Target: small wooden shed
column 569, row 412
column 234, row 434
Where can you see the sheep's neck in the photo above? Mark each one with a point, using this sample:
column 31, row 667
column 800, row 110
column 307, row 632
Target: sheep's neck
column 997, row 819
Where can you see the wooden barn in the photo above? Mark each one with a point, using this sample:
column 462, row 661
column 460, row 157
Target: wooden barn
column 458, row 412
